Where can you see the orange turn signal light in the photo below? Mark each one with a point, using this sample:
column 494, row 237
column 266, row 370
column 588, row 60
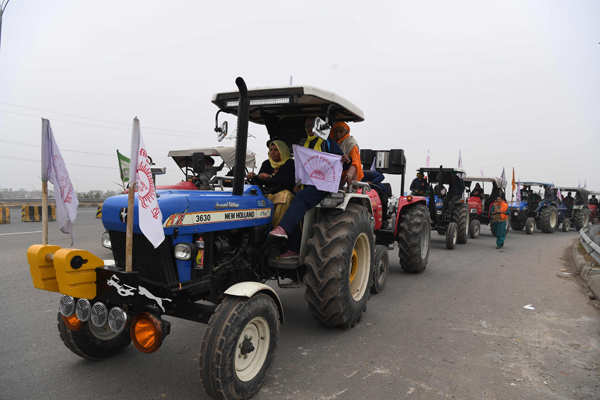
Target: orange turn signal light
column 409, row 198
column 72, row 322
column 146, row 332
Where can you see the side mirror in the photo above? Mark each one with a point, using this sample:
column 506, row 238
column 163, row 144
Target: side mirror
column 222, row 131
column 321, row 128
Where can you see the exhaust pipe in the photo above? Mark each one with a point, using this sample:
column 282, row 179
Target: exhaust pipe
column 241, row 141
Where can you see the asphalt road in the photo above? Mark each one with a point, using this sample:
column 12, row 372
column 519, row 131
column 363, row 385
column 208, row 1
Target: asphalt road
column 457, row 331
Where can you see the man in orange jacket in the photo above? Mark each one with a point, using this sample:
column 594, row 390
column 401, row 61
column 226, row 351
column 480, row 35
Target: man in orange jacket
column 340, row 132
column 499, row 213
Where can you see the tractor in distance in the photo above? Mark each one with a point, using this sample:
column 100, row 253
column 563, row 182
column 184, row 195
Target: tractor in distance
column 214, row 263
column 535, row 208
column 573, row 211
column 447, row 204
column 480, row 202
column 593, row 206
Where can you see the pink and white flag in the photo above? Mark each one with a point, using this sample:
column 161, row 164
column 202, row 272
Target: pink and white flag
column 322, row 170
column 149, row 215
column 55, row 171
column 427, row 159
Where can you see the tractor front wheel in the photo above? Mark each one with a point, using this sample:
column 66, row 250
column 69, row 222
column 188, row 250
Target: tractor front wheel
column 566, row 225
column 414, row 237
column 530, row 225
column 517, row 224
column 474, row 228
column 549, row 219
column 238, row 346
column 382, row 265
column 451, row 234
column 93, row 343
column 461, row 217
column 339, row 258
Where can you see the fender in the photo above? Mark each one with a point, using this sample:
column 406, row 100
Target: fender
column 248, row 289
column 405, row 201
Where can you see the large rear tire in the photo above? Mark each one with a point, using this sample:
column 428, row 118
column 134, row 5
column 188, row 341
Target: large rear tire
column 93, row 343
column 581, row 218
column 380, row 270
column 414, row 236
column 451, row 235
column 548, row 219
column 461, row 217
column 339, row 258
column 238, row 346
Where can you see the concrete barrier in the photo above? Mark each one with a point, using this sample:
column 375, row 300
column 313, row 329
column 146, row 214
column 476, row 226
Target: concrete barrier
column 588, row 269
column 34, row 213
column 99, row 212
column 4, row 215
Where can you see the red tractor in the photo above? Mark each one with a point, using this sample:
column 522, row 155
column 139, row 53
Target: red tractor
column 480, row 202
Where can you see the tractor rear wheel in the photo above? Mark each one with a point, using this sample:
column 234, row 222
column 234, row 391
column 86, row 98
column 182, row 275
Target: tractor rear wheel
column 451, row 235
column 238, row 346
column 548, row 219
column 581, row 219
column 414, row 236
column 461, row 217
column 530, row 225
column 93, row 343
column 380, row 271
column 339, row 258
column 474, row 228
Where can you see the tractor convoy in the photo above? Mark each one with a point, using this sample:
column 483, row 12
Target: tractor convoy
column 219, row 266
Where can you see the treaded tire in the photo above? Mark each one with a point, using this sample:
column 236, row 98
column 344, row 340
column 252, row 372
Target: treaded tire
column 517, row 224
column 380, row 270
column 451, row 235
column 414, row 237
column 548, row 221
column 328, row 259
column 86, row 345
column 530, row 225
column 221, row 339
column 461, row 217
column 581, row 218
column 474, row 228
column 566, row 225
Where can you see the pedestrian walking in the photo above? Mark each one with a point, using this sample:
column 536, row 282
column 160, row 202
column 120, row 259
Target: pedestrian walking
column 499, row 214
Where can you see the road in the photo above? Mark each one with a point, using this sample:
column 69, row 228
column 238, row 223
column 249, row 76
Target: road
column 457, row 331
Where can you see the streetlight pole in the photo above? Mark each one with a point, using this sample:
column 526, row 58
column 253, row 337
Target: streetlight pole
column 3, row 4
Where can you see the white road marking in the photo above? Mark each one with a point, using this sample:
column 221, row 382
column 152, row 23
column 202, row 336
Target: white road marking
column 19, row 233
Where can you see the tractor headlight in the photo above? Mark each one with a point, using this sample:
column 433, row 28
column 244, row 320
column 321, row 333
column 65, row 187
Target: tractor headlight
column 83, row 309
column 106, row 240
column 117, row 319
column 183, row 251
column 99, row 315
column 66, row 306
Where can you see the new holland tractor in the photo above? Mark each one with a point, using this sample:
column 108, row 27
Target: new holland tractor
column 479, row 203
column 531, row 209
column 573, row 211
column 215, row 260
column 447, row 204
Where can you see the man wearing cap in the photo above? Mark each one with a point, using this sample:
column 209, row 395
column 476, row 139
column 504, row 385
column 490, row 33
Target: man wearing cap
column 419, row 185
column 340, row 132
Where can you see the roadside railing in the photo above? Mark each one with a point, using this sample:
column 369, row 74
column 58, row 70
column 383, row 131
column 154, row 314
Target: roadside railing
column 586, row 238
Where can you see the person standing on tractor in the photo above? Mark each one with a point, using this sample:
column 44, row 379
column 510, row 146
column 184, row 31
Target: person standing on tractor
column 568, row 201
column 593, row 201
column 499, row 213
column 305, row 199
column 477, row 191
column 419, row 185
column 340, row 132
column 277, row 178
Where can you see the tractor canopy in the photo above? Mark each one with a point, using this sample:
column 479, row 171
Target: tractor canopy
column 183, row 158
column 441, row 174
column 283, row 110
column 495, row 181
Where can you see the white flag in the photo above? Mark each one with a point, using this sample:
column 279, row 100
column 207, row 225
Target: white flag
column 322, row 170
column 149, row 215
column 503, row 178
column 55, row 171
column 460, row 159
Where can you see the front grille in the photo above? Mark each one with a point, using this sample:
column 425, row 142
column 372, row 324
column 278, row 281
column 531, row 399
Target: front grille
column 156, row 265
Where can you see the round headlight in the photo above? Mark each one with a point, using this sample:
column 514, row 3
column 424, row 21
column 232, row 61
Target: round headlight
column 99, row 315
column 66, row 306
column 83, row 309
column 117, row 319
column 106, row 240
column 183, row 251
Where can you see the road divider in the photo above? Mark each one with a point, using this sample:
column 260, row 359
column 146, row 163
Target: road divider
column 34, row 213
column 99, row 212
column 4, row 215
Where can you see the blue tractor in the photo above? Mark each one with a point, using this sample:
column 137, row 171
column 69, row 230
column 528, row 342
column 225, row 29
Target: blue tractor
column 216, row 259
column 535, row 208
column 573, row 211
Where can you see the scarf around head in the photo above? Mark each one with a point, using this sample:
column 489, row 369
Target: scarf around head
column 284, row 153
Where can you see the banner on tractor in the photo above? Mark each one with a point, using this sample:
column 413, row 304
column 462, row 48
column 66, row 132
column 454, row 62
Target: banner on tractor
column 124, row 162
column 322, row 170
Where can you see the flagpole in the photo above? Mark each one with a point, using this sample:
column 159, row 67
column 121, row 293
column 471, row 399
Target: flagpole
column 129, row 232
column 44, row 211
column 44, row 174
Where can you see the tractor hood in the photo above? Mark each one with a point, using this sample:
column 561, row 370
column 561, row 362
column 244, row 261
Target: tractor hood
column 195, row 211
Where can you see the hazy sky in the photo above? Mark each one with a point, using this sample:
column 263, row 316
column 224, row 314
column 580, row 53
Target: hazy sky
column 511, row 83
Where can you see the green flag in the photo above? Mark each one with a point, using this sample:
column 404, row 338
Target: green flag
column 123, row 166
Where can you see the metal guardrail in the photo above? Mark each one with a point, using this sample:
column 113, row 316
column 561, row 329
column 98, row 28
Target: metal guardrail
column 588, row 244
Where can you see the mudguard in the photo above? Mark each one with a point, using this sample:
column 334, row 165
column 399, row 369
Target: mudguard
column 406, row 201
column 249, row 288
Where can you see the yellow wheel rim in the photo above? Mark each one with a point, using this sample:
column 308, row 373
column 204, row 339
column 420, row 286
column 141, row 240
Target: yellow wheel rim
column 353, row 265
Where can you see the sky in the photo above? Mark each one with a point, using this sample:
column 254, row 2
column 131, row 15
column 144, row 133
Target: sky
column 510, row 84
